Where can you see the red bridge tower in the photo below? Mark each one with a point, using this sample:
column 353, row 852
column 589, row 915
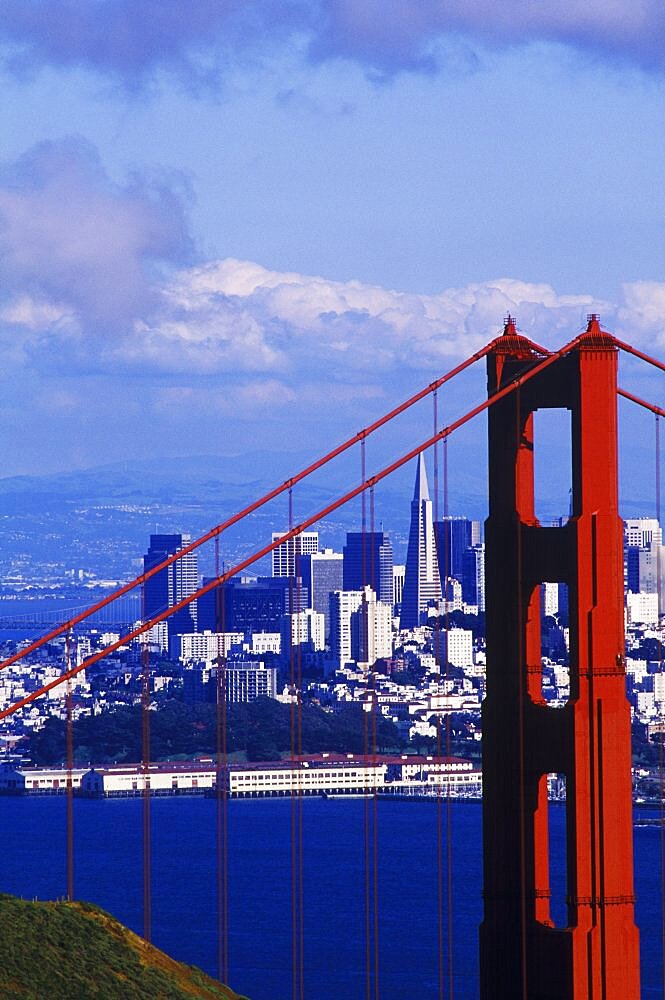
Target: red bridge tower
column 522, row 955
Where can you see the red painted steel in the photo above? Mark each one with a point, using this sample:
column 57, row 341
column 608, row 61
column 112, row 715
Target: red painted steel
column 642, row 402
column 522, row 954
column 629, row 349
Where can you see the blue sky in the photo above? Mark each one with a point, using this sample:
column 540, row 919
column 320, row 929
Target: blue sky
column 227, row 225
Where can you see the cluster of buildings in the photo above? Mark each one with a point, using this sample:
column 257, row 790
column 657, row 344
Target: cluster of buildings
column 338, row 608
column 355, row 624
column 348, row 626
column 323, row 774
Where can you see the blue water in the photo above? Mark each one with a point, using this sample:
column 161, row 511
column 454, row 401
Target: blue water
column 108, row 846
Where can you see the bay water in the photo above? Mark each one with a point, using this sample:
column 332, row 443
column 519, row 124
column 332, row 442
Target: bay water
column 108, row 871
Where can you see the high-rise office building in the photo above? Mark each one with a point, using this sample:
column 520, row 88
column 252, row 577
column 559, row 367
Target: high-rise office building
column 371, row 630
column 473, row 576
column 286, row 556
column 360, row 627
column 454, row 535
column 645, row 558
column 368, row 562
column 422, row 584
column 251, row 605
column 646, row 569
column 170, row 585
column 343, row 603
column 321, row 574
column 398, row 584
column 305, row 628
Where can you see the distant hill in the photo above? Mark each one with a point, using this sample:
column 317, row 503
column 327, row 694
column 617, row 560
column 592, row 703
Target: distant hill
column 75, row 951
column 99, row 520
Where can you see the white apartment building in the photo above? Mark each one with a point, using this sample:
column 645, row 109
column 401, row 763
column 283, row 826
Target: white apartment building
column 549, row 596
column 459, row 645
column 360, row 627
column 641, row 608
column 371, row 630
column 306, row 628
column 204, row 647
column 343, row 603
column 266, row 642
column 640, row 532
column 249, row 679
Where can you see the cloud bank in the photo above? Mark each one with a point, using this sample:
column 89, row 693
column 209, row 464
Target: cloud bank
column 108, row 320
column 79, row 253
column 100, row 275
column 198, row 42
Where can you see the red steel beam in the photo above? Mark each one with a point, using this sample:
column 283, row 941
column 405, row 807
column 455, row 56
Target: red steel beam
column 641, row 402
column 638, row 354
column 256, row 505
column 296, row 530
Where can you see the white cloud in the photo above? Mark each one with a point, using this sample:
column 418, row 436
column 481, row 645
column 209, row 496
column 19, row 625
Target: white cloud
column 642, row 315
column 229, row 350
column 256, row 318
column 78, row 249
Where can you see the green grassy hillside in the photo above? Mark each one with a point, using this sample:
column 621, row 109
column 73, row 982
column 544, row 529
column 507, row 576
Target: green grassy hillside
column 75, row 951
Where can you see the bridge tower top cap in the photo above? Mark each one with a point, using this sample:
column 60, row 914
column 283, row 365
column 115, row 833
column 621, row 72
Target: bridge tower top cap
column 514, row 344
column 594, row 337
column 509, row 326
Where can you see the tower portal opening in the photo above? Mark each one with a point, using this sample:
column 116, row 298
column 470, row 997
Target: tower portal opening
column 552, row 465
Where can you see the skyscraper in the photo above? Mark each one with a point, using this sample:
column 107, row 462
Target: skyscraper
column 172, row 584
column 286, row 555
column 473, row 576
column 368, row 561
column 321, row 575
column 360, row 627
column 454, row 535
column 251, row 605
column 422, row 584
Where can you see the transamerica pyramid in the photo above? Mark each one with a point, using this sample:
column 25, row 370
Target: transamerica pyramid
column 422, row 584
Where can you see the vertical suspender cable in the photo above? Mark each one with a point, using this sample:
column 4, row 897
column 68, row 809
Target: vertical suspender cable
column 296, row 764
column 221, row 779
column 449, row 839
column 69, row 724
column 366, row 738
column 374, row 718
column 297, row 543
column 442, row 570
column 145, row 756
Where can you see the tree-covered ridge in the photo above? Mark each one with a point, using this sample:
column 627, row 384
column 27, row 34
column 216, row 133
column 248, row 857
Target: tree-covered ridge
column 75, row 951
column 261, row 729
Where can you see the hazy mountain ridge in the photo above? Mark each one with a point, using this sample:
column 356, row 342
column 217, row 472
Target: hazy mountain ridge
column 99, row 519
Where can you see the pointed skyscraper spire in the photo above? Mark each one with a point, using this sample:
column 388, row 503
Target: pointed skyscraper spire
column 422, row 584
column 421, row 489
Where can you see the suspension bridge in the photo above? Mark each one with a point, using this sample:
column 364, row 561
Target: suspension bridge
column 522, row 953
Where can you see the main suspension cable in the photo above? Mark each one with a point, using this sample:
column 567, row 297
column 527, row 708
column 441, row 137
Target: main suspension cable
column 308, row 522
column 251, row 508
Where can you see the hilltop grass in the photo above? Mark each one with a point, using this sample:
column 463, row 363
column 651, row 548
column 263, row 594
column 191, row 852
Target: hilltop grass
column 75, row 951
